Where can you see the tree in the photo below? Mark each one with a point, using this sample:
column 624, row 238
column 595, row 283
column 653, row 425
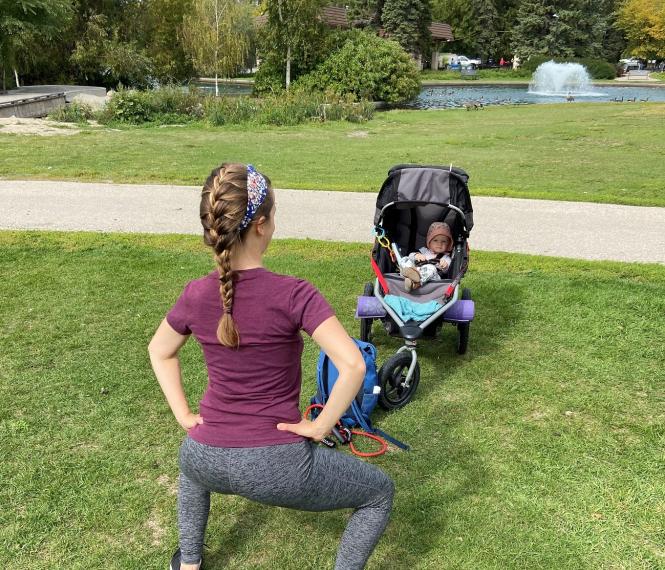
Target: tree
column 643, row 22
column 367, row 67
column 407, row 22
column 24, row 26
column 560, row 28
column 163, row 33
column 365, row 13
column 100, row 56
column 475, row 25
column 293, row 31
column 217, row 36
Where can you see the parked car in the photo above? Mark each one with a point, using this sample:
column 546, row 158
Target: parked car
column 467, row 61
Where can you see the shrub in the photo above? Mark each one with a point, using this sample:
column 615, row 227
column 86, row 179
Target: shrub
column 73, row 113
column 173, row 105
column 286, row 108
column 164, row 105
column 367, row 67
column 597, row 68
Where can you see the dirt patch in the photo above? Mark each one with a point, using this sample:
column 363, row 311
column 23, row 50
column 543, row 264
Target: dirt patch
column 171, row 486
column 357, row 134
column 41, row 127
column 156, row 529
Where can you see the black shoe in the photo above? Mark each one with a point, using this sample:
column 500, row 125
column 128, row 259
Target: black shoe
column 175, row 561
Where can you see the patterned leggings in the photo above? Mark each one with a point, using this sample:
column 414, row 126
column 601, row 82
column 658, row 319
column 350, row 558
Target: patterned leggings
column 299, row 476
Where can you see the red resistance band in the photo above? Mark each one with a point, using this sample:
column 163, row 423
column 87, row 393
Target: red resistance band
column 379, row 276
column 340, row 427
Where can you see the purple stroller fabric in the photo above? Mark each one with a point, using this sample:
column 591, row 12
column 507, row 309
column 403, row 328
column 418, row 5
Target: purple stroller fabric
column 462, row 311
column 369, row 307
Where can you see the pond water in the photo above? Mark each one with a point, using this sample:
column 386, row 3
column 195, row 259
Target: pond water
column 226, row 88
column 449, row 97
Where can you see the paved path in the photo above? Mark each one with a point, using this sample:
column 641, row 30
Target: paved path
column 567, row 229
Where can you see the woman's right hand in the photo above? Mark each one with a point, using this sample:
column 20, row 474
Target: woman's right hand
column 305, row 428
column 190, row 420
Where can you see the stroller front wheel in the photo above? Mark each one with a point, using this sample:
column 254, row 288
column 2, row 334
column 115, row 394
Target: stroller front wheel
column 395, row 392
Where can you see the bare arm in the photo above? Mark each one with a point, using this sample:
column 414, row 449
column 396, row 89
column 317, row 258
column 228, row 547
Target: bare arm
column 345, row 355
column 163, row 350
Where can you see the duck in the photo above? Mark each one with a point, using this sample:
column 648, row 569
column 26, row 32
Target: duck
column 570, row 97
column 617, row 100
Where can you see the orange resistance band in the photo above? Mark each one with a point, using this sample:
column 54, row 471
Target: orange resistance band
column 383, row 445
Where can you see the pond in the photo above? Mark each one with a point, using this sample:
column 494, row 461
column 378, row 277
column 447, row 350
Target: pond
column 449, row 97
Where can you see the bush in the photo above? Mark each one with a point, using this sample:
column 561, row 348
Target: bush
column 286, row 108
column 597, row 68
column 366, row 67
column 164, row 105
column 173, row 105
column 73, row 113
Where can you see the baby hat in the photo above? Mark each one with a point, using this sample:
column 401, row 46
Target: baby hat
column 439, row 229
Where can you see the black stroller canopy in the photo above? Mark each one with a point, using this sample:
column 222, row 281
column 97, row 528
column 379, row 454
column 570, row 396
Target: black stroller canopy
column 410, row 185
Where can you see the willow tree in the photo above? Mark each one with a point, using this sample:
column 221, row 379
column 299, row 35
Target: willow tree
column 217, row 36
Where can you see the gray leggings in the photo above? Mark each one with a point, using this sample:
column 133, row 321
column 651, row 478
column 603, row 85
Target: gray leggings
column 299, row 476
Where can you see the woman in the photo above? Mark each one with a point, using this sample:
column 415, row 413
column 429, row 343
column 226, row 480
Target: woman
column 248, row 438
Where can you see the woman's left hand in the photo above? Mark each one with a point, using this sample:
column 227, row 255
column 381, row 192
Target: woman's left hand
column 305, row 428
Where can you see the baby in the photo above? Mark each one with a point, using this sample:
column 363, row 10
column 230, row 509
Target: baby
column 432, row 261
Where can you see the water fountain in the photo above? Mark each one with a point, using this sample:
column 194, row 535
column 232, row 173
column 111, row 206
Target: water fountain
column 561, row 80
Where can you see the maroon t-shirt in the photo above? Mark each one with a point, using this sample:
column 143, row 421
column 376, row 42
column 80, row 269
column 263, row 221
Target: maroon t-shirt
column 253, row 388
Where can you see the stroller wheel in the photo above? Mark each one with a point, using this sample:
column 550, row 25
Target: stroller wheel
column 366, row 324
column 392, row 377
column 463, row 328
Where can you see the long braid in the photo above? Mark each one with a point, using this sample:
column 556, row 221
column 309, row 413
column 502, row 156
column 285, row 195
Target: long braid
column 223, row 206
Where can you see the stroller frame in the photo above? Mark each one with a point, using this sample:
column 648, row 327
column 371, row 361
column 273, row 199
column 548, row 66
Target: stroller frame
column 455, row 310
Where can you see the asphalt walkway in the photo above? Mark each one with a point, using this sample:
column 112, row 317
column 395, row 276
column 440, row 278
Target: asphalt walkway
column 566, row 229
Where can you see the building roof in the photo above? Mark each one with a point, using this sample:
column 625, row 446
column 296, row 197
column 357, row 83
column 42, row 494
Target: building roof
column 336, row 17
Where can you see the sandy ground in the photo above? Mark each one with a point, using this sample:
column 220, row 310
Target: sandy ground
column 41, row 127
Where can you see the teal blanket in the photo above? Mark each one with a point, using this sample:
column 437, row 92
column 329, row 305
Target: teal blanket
column 408, row 310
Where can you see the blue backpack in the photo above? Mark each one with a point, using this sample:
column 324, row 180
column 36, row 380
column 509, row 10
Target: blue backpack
column 358, row 414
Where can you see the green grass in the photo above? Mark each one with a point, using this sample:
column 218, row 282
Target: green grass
column 657, row 75
column 586, row 152
column 486, row 75
column 541, row 448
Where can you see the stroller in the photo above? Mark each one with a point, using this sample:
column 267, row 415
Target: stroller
column 411, row 198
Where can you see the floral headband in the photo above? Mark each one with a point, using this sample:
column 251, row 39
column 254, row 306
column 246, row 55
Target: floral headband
column 257, row 189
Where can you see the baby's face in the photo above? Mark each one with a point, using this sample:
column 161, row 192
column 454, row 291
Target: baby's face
column 440, row 244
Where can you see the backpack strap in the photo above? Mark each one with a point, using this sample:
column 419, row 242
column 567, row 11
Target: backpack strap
column 366, row 424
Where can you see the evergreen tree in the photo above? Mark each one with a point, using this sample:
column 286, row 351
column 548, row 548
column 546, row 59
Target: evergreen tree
column 407, row 22
column 560, row 28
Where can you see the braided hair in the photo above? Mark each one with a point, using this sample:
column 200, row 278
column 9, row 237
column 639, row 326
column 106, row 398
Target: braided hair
column 223, row 205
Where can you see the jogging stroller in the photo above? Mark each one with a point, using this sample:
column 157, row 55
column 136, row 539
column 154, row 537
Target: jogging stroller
column 411, row 198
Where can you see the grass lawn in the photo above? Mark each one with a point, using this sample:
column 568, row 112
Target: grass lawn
column 586, row 152
column 485, row 75
column 541, row 448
